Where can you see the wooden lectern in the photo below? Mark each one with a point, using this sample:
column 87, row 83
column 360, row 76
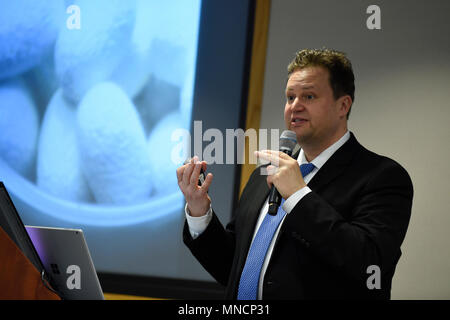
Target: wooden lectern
column 19, row 278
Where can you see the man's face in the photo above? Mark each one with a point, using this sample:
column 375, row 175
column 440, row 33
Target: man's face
column 311, row 110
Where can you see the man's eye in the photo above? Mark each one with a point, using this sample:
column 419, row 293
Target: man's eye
column 290, row 98
column 308, row 97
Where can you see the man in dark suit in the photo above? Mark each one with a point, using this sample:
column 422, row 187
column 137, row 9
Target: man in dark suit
column 345, row 209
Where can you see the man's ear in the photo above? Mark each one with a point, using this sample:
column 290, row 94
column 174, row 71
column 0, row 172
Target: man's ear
column 344, row 104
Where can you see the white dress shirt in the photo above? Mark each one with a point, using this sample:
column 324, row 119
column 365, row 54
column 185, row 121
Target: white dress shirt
column 198, row 224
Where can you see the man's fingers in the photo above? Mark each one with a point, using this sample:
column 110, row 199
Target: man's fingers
column 271, row 170
column 277, row 154
column 272, row 156
column 207, row 183
column 180, row 172
column 204, row 165
column 280, row 154
column 269, row 181
column 187, row 173
column 195, row 174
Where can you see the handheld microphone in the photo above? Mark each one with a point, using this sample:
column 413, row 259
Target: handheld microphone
column 288, row 140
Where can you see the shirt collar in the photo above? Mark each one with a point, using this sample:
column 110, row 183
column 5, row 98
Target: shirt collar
column 323, row 157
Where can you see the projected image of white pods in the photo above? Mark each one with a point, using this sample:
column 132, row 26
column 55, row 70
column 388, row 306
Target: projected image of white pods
column 114, row 154
column 18, row 127
column 90, row 91
column 58, row 165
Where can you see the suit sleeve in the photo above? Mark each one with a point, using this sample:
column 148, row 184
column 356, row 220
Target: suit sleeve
column 374, row 233
column 214, row 248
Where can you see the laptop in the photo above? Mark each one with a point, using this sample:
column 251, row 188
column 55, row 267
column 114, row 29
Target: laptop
column 73, row 274
column 11, row 223
column 66, row 259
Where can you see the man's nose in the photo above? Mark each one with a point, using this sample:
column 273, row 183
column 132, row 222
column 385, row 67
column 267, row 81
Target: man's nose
column 298, row 105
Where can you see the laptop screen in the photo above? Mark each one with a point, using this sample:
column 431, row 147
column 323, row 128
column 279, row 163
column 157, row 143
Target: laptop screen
column 11, row 223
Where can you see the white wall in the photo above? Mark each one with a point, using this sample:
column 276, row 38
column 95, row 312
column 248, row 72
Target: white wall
column 401, row 108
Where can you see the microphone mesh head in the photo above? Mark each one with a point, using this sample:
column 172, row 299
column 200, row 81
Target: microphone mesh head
column 288, row 140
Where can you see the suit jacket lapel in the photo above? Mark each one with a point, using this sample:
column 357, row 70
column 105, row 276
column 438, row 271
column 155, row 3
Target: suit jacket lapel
column 259, row 194
column 335, row 165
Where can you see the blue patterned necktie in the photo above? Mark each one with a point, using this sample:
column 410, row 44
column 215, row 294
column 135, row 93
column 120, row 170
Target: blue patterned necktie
column 248, row 284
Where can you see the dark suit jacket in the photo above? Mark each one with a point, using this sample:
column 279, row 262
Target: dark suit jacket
column 356, row 216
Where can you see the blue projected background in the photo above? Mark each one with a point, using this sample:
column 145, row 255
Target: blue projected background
column 90, row 93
